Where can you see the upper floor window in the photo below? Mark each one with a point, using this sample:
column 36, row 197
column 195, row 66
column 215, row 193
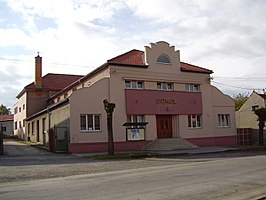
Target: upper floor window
column 134, row 84
column 192, row 87
column 164, row 86
column 16, row 110
column 223, row 120
column 163, row 59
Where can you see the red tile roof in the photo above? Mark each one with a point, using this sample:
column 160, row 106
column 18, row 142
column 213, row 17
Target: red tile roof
column 56, row 81
column 4, row 118
column 192, row 68
column 263, row 96
column 136, row 57
column 53, row 82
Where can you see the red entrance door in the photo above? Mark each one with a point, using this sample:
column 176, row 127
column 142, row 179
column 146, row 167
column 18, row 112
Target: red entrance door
column 164, row 126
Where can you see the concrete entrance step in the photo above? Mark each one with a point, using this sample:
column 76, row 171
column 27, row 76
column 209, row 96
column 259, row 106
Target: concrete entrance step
column 168, row 144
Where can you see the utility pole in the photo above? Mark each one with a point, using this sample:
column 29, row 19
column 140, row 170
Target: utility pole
column 109, row 108
column 1, row 141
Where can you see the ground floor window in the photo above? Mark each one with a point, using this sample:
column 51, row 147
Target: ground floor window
column 90, row 122
column 223, row 120
column 194, row 121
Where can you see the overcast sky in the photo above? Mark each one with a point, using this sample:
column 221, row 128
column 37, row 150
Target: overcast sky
column 76, row 36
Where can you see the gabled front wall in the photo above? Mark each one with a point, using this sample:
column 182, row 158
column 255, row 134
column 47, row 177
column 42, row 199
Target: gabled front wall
column 88, row 101
column 245, row 117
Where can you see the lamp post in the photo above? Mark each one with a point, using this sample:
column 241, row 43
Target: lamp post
column 109, row 108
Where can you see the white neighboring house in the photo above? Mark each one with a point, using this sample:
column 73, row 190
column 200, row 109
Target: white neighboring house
column 245, row 117
column 6, row 122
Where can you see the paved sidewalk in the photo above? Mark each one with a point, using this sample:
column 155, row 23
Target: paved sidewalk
column 192, row 151
column 15, row 148
column 199, row 150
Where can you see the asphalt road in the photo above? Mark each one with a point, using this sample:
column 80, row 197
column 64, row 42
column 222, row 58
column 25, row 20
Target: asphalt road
column 219, row 176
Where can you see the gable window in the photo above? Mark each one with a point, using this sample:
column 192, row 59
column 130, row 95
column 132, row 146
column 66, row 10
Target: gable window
column 164, row 86
column 255, row 107
column 134, row 84
column 194, row 121
column 223, row 120
column 164, row 59
column 192, row 87
column 90, row 122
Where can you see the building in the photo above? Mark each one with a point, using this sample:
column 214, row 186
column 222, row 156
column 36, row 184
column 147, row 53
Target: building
column 6, row 122
column 33, row 98
column 156, row 96
column 247, row 121
column 245, row 117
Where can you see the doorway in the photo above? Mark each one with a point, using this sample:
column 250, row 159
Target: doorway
column 164, row 126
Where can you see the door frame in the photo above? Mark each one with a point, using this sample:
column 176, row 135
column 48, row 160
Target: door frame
column 168, row 123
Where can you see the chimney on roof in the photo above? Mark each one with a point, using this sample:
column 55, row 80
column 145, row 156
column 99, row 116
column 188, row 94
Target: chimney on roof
column 38, row 71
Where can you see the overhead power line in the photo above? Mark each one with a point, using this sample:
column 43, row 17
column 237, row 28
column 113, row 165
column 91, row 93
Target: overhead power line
column 233, row 86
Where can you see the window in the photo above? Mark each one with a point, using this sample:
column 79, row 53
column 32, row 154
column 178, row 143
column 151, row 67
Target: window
column 192, row 87
column 90, row 123
column 28, row 128
column 16, row 125
column 135, row 119
column 16, row 110
column 223, row 120
column 32, row 128
column 164, row 59
column 165, row 86
column 19, row 109
column 255, row 107
column 134, row 84
column 23, row 106
column 194, row 121
column 3, row 129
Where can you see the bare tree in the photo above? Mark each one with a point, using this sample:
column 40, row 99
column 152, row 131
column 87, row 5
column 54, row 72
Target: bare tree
column 261, row 113
column 109, row 108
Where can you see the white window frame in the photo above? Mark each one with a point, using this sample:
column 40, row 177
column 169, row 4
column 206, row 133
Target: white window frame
column 165, row 86
column 93, row 128
column 134, row 84
column 223, row 120
column 192, row 87
column 136, row 119
column 163, row 59
column 195, row 121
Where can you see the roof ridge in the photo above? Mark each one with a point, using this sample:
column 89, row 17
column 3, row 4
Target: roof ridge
column 124, row 54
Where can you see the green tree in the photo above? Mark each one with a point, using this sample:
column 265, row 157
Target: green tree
column 240, row 99
column 4, row 110
column 261, row 114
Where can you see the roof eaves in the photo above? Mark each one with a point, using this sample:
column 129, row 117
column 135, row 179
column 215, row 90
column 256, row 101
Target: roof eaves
column 49, row 108
column 196, row 71
column 128, row 64
column 97, row 70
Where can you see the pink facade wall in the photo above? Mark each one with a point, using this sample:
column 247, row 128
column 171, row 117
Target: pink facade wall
column 153, row 102
column 213, row 141
column 95, row 147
